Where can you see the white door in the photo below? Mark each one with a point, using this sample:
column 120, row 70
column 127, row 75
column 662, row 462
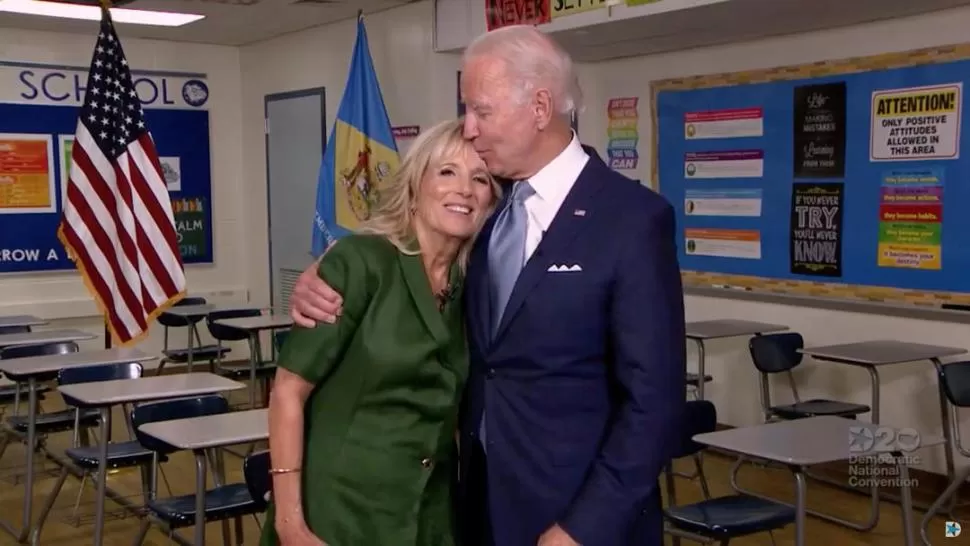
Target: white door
column 296, row 128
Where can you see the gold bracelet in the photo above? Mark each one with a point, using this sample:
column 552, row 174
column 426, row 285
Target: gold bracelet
column 283, row 470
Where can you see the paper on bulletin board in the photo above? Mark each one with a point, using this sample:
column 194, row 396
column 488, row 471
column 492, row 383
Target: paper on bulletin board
column 565, row 8
column 503, row 13
column 622, row 133
column 404, row 136
column 916, row 123
column 26, row 174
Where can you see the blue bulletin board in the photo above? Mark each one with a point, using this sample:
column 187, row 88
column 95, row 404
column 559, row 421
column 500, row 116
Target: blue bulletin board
column 38, row 116
column 846, row 180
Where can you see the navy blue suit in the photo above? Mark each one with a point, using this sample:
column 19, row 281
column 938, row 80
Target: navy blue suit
column 584, row 382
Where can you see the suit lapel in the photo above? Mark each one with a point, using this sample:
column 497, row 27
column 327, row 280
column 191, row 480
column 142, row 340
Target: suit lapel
column 573, row 214
column 420, row 289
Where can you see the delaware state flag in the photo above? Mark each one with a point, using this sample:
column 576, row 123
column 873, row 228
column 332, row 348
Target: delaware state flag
column 360, row 156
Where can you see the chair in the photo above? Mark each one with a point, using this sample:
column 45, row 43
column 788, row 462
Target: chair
column 9, row 393
column 46, row 423
column 719, row 519
column 181, row 356
column 14, row 330
column 222, row 503
column 954, row 381
column 778, row 353
column 85, row 457
column 223, row 333
column 694, row 382
column 258, row 480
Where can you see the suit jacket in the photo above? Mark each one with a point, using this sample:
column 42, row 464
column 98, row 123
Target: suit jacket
column 584, row 381
column 379, row 429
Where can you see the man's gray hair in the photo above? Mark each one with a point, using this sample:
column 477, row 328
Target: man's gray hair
column 534, row 60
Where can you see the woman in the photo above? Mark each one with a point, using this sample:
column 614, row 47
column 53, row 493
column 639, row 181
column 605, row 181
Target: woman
column 363, row 412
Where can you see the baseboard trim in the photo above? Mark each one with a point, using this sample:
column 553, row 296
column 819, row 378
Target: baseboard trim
column 926, row 486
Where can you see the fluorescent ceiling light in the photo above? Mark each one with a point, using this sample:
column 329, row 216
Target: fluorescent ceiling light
column 93, row 13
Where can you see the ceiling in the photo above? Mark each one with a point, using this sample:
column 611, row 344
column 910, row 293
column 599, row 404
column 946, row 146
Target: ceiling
column 227, row 22
column 732, row 21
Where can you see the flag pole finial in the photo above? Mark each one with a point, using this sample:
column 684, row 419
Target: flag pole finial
column 106, row 4
column 360, row 14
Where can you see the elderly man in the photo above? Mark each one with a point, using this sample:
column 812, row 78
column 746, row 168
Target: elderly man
column 575, row 320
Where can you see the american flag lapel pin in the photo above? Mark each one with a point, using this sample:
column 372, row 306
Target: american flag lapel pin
column 579, row 212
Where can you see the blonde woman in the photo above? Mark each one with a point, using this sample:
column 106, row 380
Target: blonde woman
column 363, row 412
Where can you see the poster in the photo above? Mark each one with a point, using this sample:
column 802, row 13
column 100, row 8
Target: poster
column 723, row 243
column 26, row 174
column 911, row 219
column 503, row 13
column 816, row 229
column 916, row 123
column 725, row 164
column 724, row 123
column 564, row 8
column 726, row 202
column 404, row 136
column 622, row 133
column 191, row 226
column 819, row 130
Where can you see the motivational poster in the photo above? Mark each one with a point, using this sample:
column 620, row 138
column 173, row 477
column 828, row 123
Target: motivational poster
column 816, row 229
column 819, row 131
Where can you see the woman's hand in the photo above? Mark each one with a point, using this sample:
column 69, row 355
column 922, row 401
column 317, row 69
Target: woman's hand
column 296, row 533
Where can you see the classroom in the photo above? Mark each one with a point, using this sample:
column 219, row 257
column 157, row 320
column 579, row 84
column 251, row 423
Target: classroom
column 802, row 151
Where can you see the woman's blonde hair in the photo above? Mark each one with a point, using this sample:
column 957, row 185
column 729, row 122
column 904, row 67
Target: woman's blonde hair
column 393, row 217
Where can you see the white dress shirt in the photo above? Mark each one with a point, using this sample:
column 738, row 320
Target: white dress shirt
column 551, row 184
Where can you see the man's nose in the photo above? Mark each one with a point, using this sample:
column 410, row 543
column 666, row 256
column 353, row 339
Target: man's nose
column 470, row 128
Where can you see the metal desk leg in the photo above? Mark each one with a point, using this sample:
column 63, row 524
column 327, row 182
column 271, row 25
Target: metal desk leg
column 947, row 495
column 21, row 535
column 191, row 328
column 906, row 498
column 800, row 487
column 700, row 368
column 947, row 433
column 200, row 488
column 102, row 474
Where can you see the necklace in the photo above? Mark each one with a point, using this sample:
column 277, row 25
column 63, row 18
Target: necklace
column 442, row 296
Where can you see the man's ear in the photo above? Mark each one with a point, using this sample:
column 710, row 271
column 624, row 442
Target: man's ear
column 543, row 108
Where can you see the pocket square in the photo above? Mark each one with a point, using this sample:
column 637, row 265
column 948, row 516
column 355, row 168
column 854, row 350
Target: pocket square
column 564, row 268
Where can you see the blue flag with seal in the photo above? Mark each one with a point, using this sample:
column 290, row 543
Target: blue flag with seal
column 361, row 153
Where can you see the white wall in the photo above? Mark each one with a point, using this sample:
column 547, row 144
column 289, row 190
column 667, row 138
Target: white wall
column 61, row 294
column 417, row 84
column 909, row 396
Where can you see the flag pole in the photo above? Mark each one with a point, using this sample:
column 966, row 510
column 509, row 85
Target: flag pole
column 106, row 4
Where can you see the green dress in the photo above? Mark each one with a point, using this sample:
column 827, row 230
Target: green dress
column 379, row 441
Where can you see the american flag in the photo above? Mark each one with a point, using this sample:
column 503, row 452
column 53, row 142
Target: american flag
column 118, row 225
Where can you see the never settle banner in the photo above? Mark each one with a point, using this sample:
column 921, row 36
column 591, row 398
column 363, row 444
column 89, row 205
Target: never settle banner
column 503, row 13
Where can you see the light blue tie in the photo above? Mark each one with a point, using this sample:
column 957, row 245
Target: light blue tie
column 506, row 257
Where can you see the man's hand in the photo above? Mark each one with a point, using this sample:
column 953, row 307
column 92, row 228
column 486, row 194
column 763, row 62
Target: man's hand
column 556, row 536
column 313, row 300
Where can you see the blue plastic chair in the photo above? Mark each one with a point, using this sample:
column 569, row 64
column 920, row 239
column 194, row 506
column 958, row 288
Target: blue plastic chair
column 46, row 423
column 200, row 352
column 85, row 457
column 224, row 502
column 14, row 330
column 718, row 519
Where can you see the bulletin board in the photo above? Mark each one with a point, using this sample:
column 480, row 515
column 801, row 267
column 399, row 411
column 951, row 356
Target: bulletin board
column 845, row 180
column 38, row 119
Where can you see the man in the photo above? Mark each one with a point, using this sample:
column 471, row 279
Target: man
column 575, row 320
